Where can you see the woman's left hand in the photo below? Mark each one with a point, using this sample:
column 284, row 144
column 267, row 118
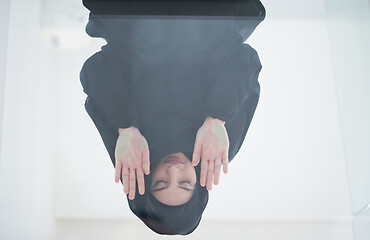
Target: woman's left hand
column 212, row 148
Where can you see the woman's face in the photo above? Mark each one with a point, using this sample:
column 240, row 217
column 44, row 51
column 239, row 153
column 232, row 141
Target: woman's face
column 174, row 180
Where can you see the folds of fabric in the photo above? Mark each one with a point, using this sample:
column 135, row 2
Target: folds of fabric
column 165, row 75
column 103, row 81
column 233, row 72
column 179, row 59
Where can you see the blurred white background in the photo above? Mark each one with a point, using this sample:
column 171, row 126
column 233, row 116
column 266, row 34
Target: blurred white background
column 303, row 169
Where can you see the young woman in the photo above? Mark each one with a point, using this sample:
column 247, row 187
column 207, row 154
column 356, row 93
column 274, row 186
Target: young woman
column 167, row 93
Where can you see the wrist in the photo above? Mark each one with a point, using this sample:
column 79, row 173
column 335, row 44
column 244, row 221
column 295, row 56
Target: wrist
column 208, row 118
column 220, row 121
column 129, row 129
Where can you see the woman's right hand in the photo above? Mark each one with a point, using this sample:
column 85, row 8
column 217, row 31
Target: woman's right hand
column 132, row 160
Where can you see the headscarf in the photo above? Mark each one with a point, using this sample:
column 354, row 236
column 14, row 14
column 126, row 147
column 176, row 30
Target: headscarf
column 170, row 220
column 167, row 136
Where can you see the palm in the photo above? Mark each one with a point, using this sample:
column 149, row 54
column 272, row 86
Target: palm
column 211, row 148
column 132, row 160
column 214, row 139
column 129, row 149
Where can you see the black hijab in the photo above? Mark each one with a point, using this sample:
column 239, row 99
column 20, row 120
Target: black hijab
column 170, row 220
column 167, row 136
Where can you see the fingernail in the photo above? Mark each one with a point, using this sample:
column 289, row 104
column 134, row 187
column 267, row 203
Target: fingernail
column 140, row 189
column 195, row 156
column 131, row 192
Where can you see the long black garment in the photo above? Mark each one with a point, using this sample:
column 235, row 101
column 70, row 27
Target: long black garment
column 166, row 75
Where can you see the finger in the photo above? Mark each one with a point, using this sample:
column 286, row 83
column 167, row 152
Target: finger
column 217, row 170
column 140, row 181
column 117, row 172
column 225, row 161
column 211, row 168
column 146, row 162
column 132, row 184
column 125, row 179
column 203, row 172
column 197, row 153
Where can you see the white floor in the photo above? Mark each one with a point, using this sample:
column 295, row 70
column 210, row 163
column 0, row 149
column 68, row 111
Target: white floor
column 254, row 230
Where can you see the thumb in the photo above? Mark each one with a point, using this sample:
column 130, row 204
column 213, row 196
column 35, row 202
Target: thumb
column 146, row 162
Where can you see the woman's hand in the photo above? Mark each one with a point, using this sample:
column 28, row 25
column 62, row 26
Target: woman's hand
column 212, row 147
column 132, row 160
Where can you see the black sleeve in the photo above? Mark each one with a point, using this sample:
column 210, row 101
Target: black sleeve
column 233, row 72
column 102, row 80
column 238, row 129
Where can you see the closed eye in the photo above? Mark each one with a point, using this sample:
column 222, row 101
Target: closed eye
column 160, row 181
column 162, row 184
column 186, row 185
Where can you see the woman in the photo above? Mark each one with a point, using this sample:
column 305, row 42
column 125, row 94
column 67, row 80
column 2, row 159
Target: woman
column 167, row 93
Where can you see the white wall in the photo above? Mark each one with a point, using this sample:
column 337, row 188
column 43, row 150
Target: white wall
column 4, row 23
column 292, row 161
column 53, row 163
column 349, row 28
column 349, row 25
column 26, row 147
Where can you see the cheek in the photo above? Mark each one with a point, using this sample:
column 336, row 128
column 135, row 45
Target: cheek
column 194, row 177
column 190, row 173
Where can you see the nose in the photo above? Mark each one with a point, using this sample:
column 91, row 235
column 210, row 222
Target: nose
column 173, row 171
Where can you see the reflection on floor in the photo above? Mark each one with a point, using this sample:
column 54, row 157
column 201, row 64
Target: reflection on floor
column 211, row 229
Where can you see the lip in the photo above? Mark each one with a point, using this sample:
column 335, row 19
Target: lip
column 173, row 160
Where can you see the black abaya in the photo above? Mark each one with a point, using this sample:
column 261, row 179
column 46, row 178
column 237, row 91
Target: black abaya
column 165, row 75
